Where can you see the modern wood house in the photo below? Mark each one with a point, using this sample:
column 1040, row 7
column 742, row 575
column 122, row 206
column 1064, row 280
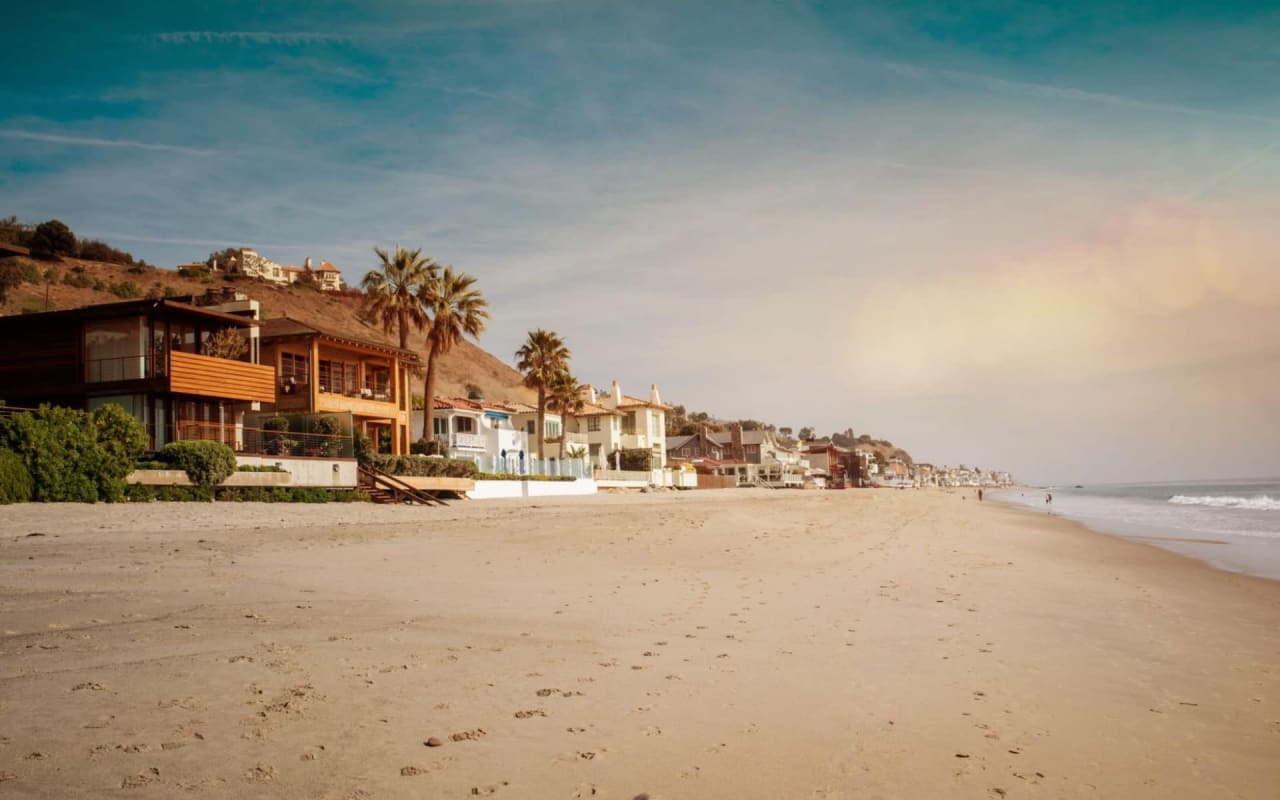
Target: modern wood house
column 321, row 371
column 147, row 356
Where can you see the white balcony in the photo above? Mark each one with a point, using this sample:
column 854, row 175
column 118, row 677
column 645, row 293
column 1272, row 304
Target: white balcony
column 464, row 441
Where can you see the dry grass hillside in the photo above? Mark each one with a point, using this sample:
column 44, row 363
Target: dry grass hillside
column 466, row 364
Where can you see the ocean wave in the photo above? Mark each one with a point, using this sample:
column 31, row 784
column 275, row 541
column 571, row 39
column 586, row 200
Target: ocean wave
column 1259, row 502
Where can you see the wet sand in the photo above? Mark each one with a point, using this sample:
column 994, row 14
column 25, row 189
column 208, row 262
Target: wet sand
column 744, row 644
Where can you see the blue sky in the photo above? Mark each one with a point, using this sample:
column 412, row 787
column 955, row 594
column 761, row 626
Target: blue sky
column 991, row 233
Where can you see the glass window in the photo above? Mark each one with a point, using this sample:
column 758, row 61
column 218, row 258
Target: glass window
column 553, row 428
column 465, row 424
column 440, row 426
column 295, row 367
column 593, row 424
column 115, row 350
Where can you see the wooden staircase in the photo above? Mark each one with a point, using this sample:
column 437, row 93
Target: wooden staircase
column 388, row 489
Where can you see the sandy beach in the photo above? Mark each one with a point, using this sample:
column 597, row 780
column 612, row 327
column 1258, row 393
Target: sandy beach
column 737, row 644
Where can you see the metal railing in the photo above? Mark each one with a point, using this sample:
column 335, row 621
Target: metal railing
column 260, row 441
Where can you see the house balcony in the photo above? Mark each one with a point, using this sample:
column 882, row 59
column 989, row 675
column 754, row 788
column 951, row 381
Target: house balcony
column 366, row 403
column 208, row 376
column 464, row 441
column 636, row 441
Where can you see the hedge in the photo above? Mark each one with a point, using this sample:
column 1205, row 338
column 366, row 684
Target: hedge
column 72, row 456
column 510, row 476
column 245, row 494
column 15, row 481
column 206, row 463
column 425, row 467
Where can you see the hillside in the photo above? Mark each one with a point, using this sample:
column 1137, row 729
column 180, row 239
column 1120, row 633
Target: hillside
column 466, row 364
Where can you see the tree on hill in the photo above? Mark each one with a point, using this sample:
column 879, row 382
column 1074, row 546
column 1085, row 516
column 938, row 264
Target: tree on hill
column 541, row 358
column 454, row 309
column 391, row 291
column 805, row 434
column 52, row 239
column 10, row 277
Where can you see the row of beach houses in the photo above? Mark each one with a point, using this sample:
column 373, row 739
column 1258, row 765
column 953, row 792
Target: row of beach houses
column 153, row 358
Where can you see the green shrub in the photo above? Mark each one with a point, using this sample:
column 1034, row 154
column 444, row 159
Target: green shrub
column 78, row 280
column 30, row 272
column 425, row 467
column 99, row 285
column 15, row 480
column 137, row 493
column 428, row 447
column 363, row 447
column 151, row 465
column 635, row 460
column 511, row 476
column 206, row 463
column 69, row 457
column 276, row 442
column 122, row 440
column 126, row 290
column 329, row 426
column 259, row 468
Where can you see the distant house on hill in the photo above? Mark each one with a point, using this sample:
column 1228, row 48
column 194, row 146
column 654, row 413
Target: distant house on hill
column 252, row 265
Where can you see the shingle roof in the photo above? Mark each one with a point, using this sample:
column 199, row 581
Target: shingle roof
column 288, row 327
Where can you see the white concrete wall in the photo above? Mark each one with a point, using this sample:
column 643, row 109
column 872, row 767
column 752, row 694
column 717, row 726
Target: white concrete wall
column 492, row 490
column 328, row 473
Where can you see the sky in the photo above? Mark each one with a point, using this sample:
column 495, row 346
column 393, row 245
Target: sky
column 1041, row 239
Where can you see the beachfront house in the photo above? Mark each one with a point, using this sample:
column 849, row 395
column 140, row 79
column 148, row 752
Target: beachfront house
column 642, row 424
column 479, row 431
column 599, row 427
column 830, row 462
column 154, row 358
column 322, row 371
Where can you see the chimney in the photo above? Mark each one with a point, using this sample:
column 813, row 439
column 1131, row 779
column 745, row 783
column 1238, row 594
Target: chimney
column 617, row 395
column 736, row 442
column 307, row 264
column 653, row 395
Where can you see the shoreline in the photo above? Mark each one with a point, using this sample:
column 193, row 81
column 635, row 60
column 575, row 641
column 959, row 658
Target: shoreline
column 746, row 644
column 1197, row 548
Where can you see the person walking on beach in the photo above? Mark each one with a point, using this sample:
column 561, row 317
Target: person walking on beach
column 979, row 495
column 1048, row 497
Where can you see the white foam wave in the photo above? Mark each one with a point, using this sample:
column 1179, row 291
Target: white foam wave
column 1259, row 502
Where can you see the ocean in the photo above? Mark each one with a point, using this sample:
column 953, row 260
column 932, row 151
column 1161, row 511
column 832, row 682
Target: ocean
column 1233, row 525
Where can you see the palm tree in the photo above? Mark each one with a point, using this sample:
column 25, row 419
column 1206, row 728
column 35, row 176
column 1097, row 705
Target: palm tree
column 389, row 290
column 455, row 309
column 540, row 358
column 564, row 397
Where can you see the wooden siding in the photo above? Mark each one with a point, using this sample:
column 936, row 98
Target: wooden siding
column 359, row 406
column 206, row 376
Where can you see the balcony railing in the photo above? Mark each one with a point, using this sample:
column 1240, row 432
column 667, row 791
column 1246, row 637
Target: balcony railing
column 470, row 441
column 258, row 441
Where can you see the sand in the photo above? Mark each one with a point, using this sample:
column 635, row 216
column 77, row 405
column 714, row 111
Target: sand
column 736, row 644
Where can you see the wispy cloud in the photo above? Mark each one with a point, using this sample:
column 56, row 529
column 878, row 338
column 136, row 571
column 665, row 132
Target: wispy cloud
column 998, row 83
column 89, row 141
column 251, row 37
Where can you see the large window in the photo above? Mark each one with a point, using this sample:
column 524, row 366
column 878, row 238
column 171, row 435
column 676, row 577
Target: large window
column 464, row 425
column 440, row 426
column 295, row 367
column 655, row 423
column 115, row 350
column 593, row 424
column 629, row 423
column 553, row 428
column 377, row 382
column 339, row 377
